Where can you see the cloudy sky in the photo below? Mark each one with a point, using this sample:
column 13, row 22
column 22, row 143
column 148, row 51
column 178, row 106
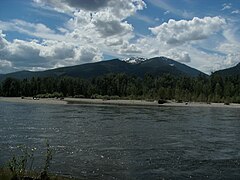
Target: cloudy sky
column 43, row 34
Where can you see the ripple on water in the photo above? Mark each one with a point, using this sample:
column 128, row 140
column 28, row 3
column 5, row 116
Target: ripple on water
column 104, row 142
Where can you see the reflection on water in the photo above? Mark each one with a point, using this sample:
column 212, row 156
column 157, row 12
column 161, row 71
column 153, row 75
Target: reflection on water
column 127, row 142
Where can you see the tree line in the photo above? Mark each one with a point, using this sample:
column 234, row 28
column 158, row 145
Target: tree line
column 200, row 89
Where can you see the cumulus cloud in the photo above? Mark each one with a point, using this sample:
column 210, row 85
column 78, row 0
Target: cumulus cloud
column 89, row 54
column 86, row 4
column 121, row 8
column 3, row 41
column 127, row 49
column 94, row 28
column 180, row 56
column 114, row 42
column 179, row 32
column 57, row 50
column 113, row 27
column 35, row 55
column 100, row 27
column 24, row 54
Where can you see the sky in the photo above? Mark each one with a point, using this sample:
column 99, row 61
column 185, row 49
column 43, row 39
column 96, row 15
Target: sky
column 44, row 34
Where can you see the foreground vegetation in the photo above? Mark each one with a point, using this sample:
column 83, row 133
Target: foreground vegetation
column 21, row 166
column 120, row 86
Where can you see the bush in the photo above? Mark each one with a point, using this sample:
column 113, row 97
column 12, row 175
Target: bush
column 21, row 166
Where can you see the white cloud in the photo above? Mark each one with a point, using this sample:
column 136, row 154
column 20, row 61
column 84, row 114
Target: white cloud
column 3, row 41
column 33, row 29
column 230, row 47
column 83, row 4
column 114, row 42
column 179, row 32
column 95, row 28
column 57, row 50
column 5, row 63
column 226, row 6
column 5, row 66
column 166, row 12
column 100, row 27
column 180, row 56
column 127, row 49
column 35, row 55
column 89, row 54
column 121, row 8
column 231, row 60
column 236, row 11
column 204, row 55
column 112, row 27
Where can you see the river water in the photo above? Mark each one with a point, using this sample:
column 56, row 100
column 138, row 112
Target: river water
column 121, row 142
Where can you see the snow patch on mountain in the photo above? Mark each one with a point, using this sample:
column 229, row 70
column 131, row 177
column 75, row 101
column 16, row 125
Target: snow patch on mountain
column 134, row 60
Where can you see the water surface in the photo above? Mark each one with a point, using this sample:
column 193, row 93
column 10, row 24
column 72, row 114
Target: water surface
column 121, row 142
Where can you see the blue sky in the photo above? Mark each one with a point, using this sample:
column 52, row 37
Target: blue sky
column 44, row 34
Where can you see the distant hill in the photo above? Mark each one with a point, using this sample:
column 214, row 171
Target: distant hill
column 233, row 71
column 156, row 66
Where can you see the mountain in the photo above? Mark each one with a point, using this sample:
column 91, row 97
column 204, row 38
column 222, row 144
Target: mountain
column 139, row 67
column 233, row 71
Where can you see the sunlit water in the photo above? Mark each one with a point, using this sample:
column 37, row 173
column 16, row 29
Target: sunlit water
column 120, row 142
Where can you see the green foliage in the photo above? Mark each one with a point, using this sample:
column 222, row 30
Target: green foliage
column 18, row 165
column 21, row 165
column 44, row 174
column 120, row 86
column 49, row 154
column 10, row 87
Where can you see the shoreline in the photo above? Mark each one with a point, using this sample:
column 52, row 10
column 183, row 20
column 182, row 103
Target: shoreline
column 84, row 101
column 30, row 100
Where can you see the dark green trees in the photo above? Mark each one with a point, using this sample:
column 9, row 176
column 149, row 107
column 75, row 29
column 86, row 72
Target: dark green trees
column 11, row 87
column 204, row 89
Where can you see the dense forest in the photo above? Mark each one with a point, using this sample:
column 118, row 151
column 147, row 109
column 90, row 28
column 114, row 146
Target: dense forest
column 113, row 86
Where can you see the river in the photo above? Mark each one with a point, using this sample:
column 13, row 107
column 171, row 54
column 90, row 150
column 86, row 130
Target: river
column 123, row 142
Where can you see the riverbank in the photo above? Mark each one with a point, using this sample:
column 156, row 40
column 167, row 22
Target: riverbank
column 114, row 102
column 33, row 101
column 148, row 103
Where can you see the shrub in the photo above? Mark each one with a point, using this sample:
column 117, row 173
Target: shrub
column 21, row 166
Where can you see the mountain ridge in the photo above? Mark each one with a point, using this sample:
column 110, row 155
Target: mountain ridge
column 156, row 66
column 232, row 71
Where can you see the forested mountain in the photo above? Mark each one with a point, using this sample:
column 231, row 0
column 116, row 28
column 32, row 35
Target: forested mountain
column 156, row 78
column 154, row 66
column 233, row 71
